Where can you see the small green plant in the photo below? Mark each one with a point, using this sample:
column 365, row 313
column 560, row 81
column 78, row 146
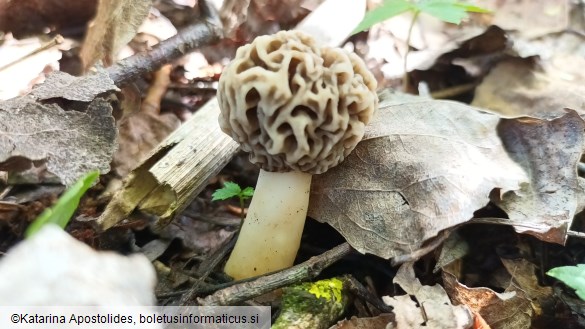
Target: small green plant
column 450, row 11
column 61, row 212
column 231, row 190
column 572, row 276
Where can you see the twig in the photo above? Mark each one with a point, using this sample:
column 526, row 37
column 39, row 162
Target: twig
column 57, row 40
column 204, row 32
column 208, row 266
column 453, row 91
column 304, row 271
column 358, row 289
column 417, row 254
column 576, row 234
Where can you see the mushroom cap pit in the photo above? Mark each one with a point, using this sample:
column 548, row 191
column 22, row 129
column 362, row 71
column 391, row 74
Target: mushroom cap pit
column 295, row 106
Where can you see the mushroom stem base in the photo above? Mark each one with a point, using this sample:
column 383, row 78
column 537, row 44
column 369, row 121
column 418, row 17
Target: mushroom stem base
column 271, row 233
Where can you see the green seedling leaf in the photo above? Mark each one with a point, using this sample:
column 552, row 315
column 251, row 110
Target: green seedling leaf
column 449, row 11
column 572, row 276
column 61, row 212
column 229, row 190
column 387, row 10
column 247, row 192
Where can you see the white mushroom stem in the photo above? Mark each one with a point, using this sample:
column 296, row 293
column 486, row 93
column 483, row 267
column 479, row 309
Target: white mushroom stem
column 271, row 234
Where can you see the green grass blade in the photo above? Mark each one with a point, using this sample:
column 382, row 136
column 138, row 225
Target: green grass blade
column 61, row 212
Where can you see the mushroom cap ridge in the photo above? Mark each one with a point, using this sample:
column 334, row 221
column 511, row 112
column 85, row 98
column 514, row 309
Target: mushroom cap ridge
column 295, row 106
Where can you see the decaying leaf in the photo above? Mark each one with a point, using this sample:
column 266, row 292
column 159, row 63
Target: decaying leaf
column 139, row 134
column 508, row 310
column 142, row 130
column 424, row 166
column 114, row 26
column 549, row 151
column 434, row 308
column 523, row 277
column 85, row 89
column 71, row 143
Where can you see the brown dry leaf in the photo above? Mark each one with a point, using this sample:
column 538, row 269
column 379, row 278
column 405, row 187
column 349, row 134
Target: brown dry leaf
column 434, row 309
column 523, row 87
column 523, row 277
column 508, row 310
column 141, row 131
column 378, row 322
column 28, row 17
column 71, row 143
column 243, row 19
column 139, row 134
column 114, row 26
column 549, row 151
column 424, row 166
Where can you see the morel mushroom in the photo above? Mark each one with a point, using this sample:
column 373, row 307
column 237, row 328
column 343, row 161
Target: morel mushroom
column 298, row 109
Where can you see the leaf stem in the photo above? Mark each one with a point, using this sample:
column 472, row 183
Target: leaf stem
column 242, row 214
column 405, row 80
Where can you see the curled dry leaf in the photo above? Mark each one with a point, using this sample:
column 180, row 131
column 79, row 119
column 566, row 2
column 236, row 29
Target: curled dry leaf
column 424, row 166
column 549, row 151
column 508, row 310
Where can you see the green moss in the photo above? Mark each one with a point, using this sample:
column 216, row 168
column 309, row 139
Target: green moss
column 312, row 305
column 327, row 289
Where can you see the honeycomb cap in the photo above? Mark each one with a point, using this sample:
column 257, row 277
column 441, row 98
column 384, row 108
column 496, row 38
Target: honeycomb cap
column 295, row 106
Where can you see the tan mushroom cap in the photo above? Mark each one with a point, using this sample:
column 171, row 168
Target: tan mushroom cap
column 295, row 106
